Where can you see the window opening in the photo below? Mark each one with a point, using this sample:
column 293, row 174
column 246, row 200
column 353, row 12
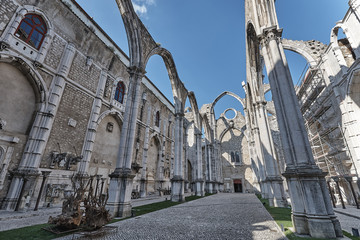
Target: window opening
column 232, row 157
column 237, row 157
column 32, row 30
column 120, row 92
column 157, row 119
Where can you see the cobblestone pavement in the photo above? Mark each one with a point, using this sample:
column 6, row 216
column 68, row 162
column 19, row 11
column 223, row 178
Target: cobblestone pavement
column 221, row 216
column 12, row 220
column 153, row 199
column 349, row 218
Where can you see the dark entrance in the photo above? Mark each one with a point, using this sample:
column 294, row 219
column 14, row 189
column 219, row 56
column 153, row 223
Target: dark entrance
column 238, row 186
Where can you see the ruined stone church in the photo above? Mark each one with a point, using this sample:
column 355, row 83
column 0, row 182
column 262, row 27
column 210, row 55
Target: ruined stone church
column 72, row 103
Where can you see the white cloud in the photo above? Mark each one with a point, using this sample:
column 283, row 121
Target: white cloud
column 141, row 6
column 140, row 9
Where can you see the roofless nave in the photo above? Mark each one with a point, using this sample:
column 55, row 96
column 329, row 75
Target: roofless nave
column 73, row 103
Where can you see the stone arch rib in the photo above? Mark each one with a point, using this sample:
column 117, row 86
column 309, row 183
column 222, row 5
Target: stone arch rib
column 178, row 88
column 310, row 50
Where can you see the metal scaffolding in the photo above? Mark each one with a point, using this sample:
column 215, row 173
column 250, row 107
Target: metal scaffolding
column 327, row 141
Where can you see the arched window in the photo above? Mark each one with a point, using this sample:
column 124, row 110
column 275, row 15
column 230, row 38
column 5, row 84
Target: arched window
column 237, row 157
column 32, row 30
column 232, row 157
column 120, row 92
column 157, row 119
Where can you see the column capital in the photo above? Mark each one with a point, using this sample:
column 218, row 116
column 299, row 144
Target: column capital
column 137, row 71
column 179, row 114
column 269, row 34
column 45, row 173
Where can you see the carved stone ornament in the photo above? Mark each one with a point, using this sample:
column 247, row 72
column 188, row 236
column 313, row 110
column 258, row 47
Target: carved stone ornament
column 110, row 127
column 107, row 88
column 3, row 45
column 64, row 160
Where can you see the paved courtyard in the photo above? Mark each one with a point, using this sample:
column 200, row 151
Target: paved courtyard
column 349, row 217
column 220, row 216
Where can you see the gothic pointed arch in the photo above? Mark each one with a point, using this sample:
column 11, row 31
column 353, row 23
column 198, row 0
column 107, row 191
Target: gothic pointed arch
column 23, row 94
column 178, row 88
column 212, row 106
column 40, row 89
column 338, row 43
column 115, row 113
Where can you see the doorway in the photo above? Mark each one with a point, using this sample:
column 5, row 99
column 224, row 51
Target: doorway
column 238, row 186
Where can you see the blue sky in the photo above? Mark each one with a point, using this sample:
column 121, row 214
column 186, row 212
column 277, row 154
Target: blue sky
column 207, row 39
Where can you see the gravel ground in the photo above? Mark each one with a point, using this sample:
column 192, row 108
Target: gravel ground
column 220, row 216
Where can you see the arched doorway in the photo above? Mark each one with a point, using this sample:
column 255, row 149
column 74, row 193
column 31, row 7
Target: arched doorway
column 19, row 100
column 238, row 186
column 189, row 175
column 152, row 166
column 106, row 147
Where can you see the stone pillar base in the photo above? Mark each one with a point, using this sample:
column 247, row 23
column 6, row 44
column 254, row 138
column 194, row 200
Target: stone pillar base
column 186, row 187
column 177, row 189
column 312, row 210
column 317, row 226
column 264, row 190
column 13, row 194
column 209, row 187
column 119, row 202
column 277, row 198
column 143, row 188
column 199, row 187
column 216, row 187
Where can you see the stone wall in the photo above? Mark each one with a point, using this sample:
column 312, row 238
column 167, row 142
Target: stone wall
column 70, row 124
column 70, row 128
column 7, row 9
column 84, row 73
column 231, row 134
column 55, row 52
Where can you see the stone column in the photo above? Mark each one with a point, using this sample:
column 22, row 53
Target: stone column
column 260, row 164
column 172, row 153
column 121, row 180
column 216, row 168
column 199, row 182
column 254, row 166
column 39, row 133
column 251, row 143
column 209, row 181
column 276, row 193
column 311, row 206
column 144, row 157
column 177, row 182
column 160, row 165
column 92, row 126
column 186, row 165
column 219, row 178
